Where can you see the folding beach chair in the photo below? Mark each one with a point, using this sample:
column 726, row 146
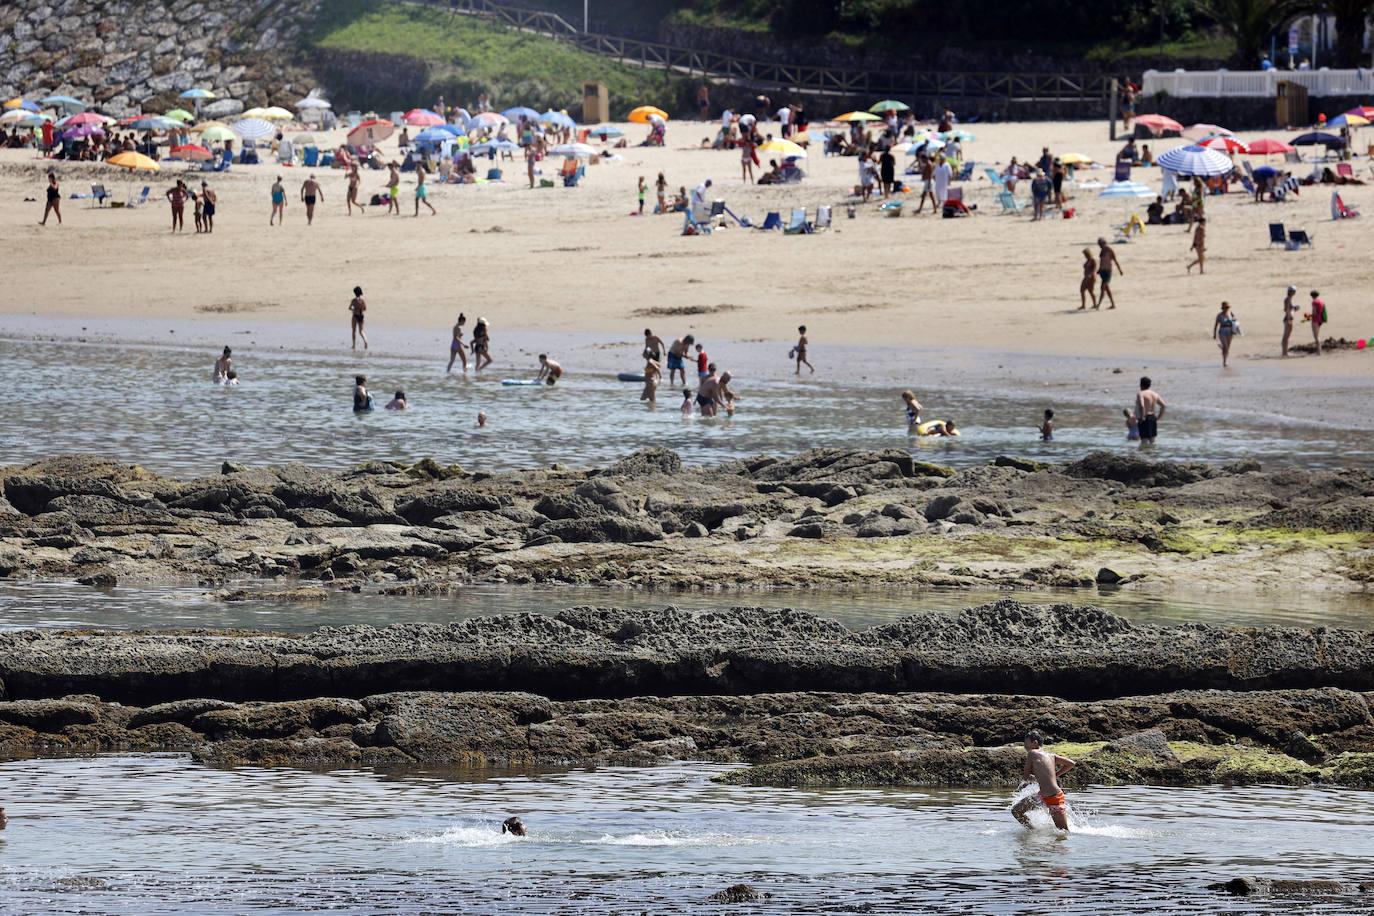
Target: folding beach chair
column 1339, row 210
column 571, row 179
column 690, row 226
column 141, row 199
column 1247, row 184
column 772, row 221
column 1276, row 235
column 493, row 174
column 954, row 204
column 965, row 173
column 717, row 210
column 999, row 182
column 1298, row 238
column 1009, row 202
column 99, row 195
column 1343, row 170
column 225, row 162
column 1123, row 170
column 797, row 225
column 312, row 157
column 1292, row 156
column 822, row 222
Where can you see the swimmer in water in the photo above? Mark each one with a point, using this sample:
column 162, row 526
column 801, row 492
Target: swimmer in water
column 223, row 365
column 4, row 819
column 1047, row 428
column 686, row 402
column 399, row 402
column 1045, row 769
column 231, row 378
column 514, row 826
column 362, row 401
column 939, row 428
column 481, row 418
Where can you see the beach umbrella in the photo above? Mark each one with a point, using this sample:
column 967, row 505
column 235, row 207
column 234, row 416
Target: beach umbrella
column 65, row 102
column 205, row 125
column 197, row 94
column 135, row 161
column 83, row 130
column 1203, row 131
column 1317, row 138
column 253, row 128
column 485, row 119
column 129, row 119
column 1266, row 146
column 20, row 102
column 641, row 114
column 606, row 131
column 180, row 114
column 154, row 122
column 580, row 150
column 274, row 113
column 930, row 144
column 451, row 129
column 15, row 115
column 1125, row 189
column 962, row 136
column 217, row 132
column 1364, row 111
column 858, row 116
column 1157, row 124
column 1195, row 161
column 785, row 147
column 518, row 112
column 34, row 119
column 558, row 119
column 1075, row 159
column 371, row 132
column 500, row 146
column 311, row 101
column 1226, row 145
column 421, row 117
column 305, row 138
column 1265, row 171
column 887, row 105
column 1348, row 120
column 192, row 151
column 433, row 135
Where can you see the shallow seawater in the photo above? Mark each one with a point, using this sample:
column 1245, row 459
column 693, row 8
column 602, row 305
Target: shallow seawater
column 159, row 834
column 156, row 406
column 47, row 604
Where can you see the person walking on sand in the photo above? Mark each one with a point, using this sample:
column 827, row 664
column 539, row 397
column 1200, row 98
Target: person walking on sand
column 393, row 188
column 1149, row 410
column 311, row 192
column 1318, row 318
column 357, row 306
column 353, row 180
column 1223, row 329
column 927, row 184
column 278, row 203
column 456, row 348
column 1290, row 308
column 1199, row 245
column 210, row 203
column 799, row 351
column 177, row 195
column 1044, row 769
column 422, row 191
column 1085, row 288
column 677, row 353
column 54, row 203
column 1106, row 263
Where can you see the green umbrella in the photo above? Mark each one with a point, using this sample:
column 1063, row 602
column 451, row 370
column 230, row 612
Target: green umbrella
column 181, row 114
column 217, row 133
column 887, row 105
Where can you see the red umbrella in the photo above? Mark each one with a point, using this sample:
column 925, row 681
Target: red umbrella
column 421, row 117
column 1267, row 147
column 125, row 122
column 86, row 117
column 370, row 132
column 1364, row 111
column 1156, row 123
column 192, row 151
column 1225, row 144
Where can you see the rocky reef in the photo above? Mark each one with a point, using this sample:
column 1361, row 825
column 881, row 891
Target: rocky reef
column 825, row 516
column 927, row 700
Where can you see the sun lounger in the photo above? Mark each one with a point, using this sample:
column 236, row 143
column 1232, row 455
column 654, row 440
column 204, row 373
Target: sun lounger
column 1339, row 210
column 1343, row 170
column 1277, row 235
column 965, row 173
column 1298, row 238
column 570, row 179
column 141, row 199
column 1292, row 156
column 225, row 162
column 772, row 221
column 822, row 219
column 999, row 183
column 1009, row 202
column 797, row 225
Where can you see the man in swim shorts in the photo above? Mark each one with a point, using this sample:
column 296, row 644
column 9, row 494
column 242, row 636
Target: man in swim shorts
column 310, row 192
column 708, row 392
column 208, row 210
column 393, row 188
column 1045, row 769
column 422, row 191
column 549, row 371
column 1106, row 261
column 1149, row 409
column 676, row 351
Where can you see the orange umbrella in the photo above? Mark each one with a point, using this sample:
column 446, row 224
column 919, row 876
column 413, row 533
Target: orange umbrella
column 131, row 160
column 1157, row 123
column 191, row 151
column 641, row 114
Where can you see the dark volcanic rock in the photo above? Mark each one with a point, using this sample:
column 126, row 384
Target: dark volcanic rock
column 646, row 461
column 439, row 502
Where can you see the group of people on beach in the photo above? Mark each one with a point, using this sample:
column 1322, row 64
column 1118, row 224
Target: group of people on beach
column 713, row 393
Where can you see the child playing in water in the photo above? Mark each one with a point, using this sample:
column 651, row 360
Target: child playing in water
column 549, row 370
column 702, row 362
column 1045, row 769
column 1132, row 424
column 1047, row 428
column 686, row 402
column 799, row 351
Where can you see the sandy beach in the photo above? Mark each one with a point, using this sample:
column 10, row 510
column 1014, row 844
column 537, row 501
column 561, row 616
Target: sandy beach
column 975, row 295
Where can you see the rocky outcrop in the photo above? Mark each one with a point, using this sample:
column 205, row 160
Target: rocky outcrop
column 129, row 56
column 823, row 516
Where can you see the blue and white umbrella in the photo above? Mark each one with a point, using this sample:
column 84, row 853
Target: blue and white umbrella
column 606, row 130
column 500, row 146
column 558, row 119
column 1195, row 161
column 253, row 128
column 156, row 122
column 514, row 114
column 1126, row 189
column 66, row 103
column 452, row 130
column 433, row 135
column 197, row 94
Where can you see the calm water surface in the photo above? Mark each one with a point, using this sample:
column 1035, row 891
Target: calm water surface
column 158, row 834
column 68, row 605
column 156, row 406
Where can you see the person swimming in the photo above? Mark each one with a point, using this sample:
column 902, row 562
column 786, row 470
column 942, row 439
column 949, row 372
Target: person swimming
column 937, row 428
column 513, row 825
column 399, row 402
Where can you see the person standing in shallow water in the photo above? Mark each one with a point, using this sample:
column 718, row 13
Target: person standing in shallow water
column 1149, row 410
column 1045, row 769
column 357, row 306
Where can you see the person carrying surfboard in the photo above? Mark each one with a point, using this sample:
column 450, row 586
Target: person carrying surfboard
column 1045, row 769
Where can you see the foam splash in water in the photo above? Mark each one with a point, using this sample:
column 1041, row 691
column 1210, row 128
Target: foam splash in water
column 671, row 838
column 467, row 836
column 1082, row 820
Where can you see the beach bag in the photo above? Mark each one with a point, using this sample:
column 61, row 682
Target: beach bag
column 1325, row 319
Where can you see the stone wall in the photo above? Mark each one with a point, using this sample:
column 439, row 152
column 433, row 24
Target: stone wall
column 134, row 55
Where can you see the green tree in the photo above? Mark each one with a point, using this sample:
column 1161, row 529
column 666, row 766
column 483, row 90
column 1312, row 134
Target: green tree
column 1251, row 21
column 1350, row 16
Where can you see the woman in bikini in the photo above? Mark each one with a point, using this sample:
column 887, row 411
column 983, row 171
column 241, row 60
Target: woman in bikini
column 481, row 344
column 1085, row 289
column 357, row 306
column 456, row 348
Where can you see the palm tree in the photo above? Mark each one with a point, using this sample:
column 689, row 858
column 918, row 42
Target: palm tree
column 1251, row 21
column 1350, row 16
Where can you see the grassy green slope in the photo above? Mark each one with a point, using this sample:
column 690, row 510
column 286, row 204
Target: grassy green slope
column 466, row 56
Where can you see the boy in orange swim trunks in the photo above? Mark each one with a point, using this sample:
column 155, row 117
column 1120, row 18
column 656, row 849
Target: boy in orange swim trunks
column 1045, row 768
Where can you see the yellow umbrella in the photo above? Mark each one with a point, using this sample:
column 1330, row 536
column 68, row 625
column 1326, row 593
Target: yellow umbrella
column 206, row 126
column 132, row 160
column 15, row 102
column 641, row 114
column 786, row 147
column 274, row 113
column 1075, row 159
column 858, row 116
column 180, row 114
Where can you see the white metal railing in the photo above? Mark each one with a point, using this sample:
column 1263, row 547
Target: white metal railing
column 1255, row 83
